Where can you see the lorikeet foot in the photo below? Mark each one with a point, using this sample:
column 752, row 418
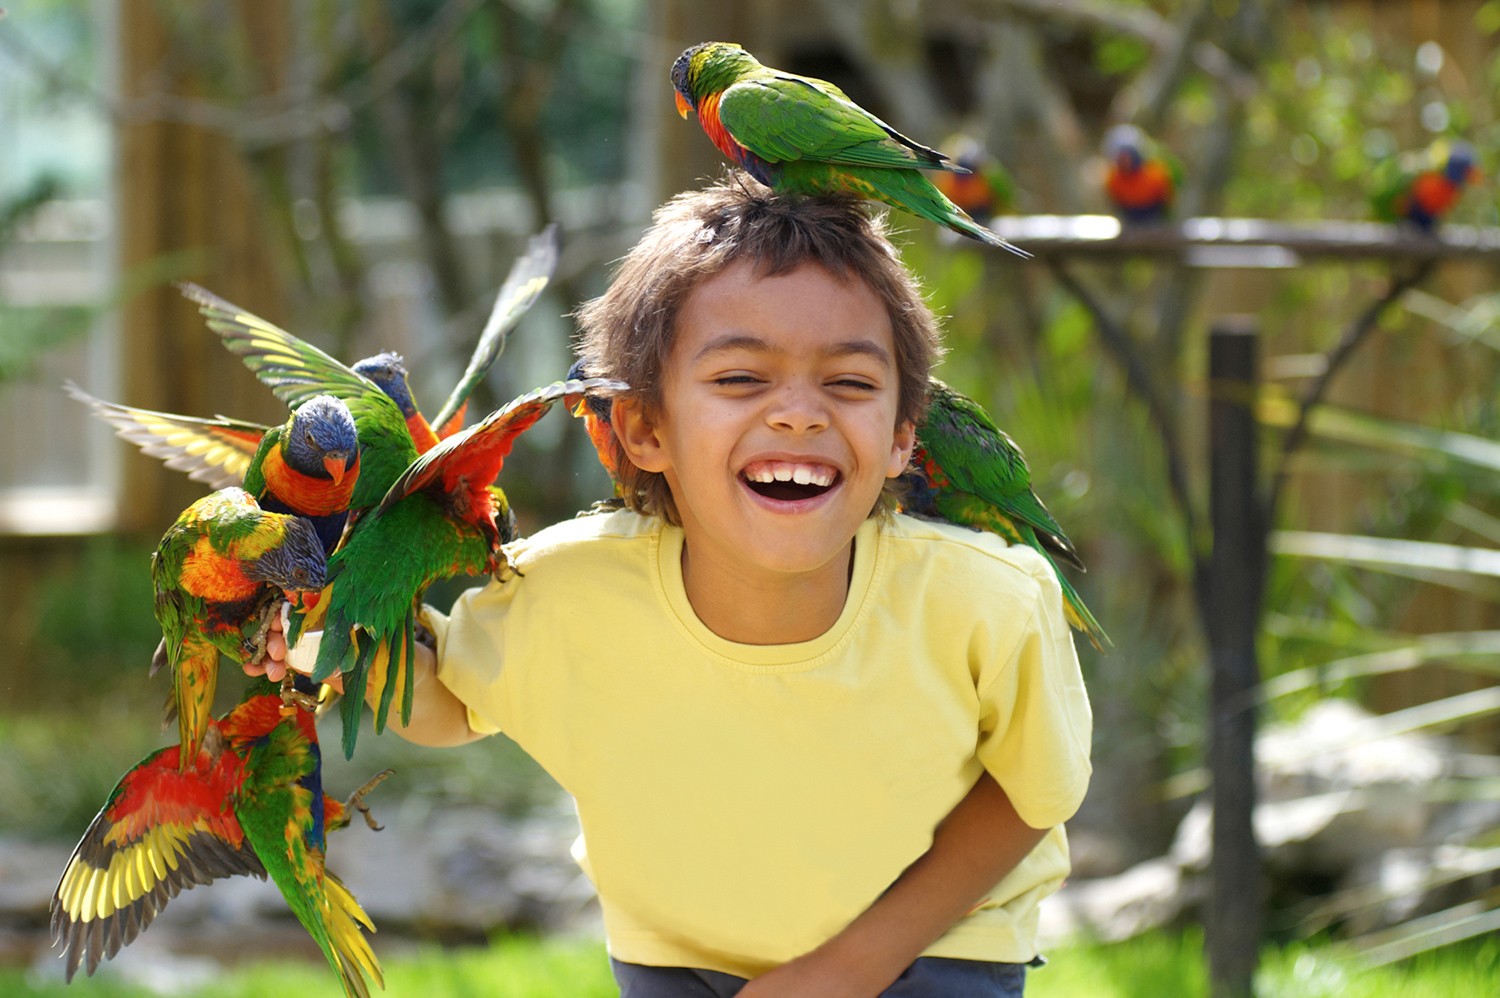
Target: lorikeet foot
column 356, row 801
column 292, row 698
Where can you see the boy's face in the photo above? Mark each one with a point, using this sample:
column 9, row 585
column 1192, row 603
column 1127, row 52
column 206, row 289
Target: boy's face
column 777, row 427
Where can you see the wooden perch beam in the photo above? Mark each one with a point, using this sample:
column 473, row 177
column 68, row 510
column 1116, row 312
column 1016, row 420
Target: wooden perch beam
column 1242, row 242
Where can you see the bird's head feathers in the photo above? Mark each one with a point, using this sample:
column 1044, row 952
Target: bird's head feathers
column 320, row 440
column 388, row 371
column 708, row 68
column 296, row 563
column 1125, row 145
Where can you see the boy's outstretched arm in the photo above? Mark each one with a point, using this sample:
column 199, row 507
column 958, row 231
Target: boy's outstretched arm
column 977, row 844
column 438, row 718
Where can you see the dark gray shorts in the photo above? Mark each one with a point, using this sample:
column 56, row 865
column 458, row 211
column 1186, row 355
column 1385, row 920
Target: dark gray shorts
column 928, row 977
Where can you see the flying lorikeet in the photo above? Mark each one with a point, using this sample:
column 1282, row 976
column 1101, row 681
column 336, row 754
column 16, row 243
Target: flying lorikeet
column 251, row 802
column 527, row 279
column 308, row 466
column 1140, row 181
column 1422, row 195
column 805, row 136
column 443, row 517
column 219, row 572
column 966, row 470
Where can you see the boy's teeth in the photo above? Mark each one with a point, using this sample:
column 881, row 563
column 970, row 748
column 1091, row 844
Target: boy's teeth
column 801, row 474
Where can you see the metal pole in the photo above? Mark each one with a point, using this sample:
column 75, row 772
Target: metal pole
column 1235, row 913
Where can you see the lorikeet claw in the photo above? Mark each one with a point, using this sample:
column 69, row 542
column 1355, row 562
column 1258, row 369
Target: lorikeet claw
column 356, row 801
column 293, row 698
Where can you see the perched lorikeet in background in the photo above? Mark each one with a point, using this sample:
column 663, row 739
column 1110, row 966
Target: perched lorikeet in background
column 804, row 136
column 440, row 519
column 982, row 193
column 966, row 470
column 218, row 573
column 251, row 802
column 1411, row 192
column 1140, row 181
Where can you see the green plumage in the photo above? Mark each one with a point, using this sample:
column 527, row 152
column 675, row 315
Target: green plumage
column 801, row 135
column 970, row 472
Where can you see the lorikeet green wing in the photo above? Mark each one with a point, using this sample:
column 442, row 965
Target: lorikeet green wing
column 250, row 804
column 527, row 279
column 296, row 371
column 214, row 451
column 970, row 472
column 218, row 574
column 805, row 136
column 439, row 519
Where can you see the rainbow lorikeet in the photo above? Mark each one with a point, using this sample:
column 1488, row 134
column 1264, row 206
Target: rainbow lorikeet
column 219, row 573
column 250, row 802
column 1140, row 181
column 297, row 371
column 804, row 136
column 595, row 411
column 1422, row 195
column 441, row 518
column 308, row 466
column 528, row 277
column 983, row 192
column 966, row 470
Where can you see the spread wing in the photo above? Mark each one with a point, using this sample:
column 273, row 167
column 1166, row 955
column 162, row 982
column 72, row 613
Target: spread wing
column 214, row 451
column 528, row 277
column 160, row 832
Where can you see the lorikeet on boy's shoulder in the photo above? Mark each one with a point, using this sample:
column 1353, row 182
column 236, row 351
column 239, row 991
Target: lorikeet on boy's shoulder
column 218, row 573
column 250, row 802
column 1421, row 190
column 1140, row 182
column 441, row 518
column 595, row 411
column 966, row 470
column 799, row 135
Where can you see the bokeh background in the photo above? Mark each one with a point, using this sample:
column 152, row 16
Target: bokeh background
column 363, row 173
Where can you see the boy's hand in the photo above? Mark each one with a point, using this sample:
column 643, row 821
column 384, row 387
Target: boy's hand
column 816, row 975
column 279, row 657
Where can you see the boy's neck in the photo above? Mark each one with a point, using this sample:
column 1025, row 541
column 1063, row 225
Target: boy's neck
column 770, row 610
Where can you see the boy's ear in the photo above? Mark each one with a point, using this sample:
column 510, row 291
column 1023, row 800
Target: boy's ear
column 637, row 434
column 902, row 445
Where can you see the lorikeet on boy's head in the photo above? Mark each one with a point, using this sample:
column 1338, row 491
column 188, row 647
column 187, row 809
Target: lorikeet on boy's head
column 1423, row 195
column 443, row 517
column 1140, row 182
column 218, row 573
column 966, row 470
column 250, row 802
column 799, row 135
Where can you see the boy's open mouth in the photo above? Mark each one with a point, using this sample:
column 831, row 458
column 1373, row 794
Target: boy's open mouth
column 785, row 481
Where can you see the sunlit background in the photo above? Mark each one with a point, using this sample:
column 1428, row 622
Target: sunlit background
column 364, row 174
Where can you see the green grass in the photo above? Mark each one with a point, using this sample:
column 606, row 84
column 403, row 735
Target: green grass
column 1151, row 966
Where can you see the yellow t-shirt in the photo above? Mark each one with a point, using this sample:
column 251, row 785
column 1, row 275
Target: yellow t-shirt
column 740, row 804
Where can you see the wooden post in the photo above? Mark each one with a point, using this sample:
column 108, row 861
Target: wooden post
column 1234, row 915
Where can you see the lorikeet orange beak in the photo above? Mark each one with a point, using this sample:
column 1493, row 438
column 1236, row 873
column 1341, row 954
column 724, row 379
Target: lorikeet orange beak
column 683, row 107
column 335, row 465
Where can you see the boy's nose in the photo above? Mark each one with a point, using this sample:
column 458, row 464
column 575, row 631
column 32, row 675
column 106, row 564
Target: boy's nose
column 799, row 408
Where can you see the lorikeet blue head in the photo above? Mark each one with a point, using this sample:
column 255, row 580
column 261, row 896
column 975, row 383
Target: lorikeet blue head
column 388, row 371
column 321, row 441
column 1123, row 146
column 297, row 563
column 1459, row 167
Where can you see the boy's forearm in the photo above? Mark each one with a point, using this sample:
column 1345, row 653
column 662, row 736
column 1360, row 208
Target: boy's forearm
column 438, row 718
column 979, row 842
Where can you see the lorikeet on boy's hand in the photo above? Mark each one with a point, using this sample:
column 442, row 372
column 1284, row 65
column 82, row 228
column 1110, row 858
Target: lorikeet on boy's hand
column 1422, row 196
column 251, row 802
column 440, row 519
column 1140, row 182
column 804, row 136
column 966, row 470
column 219, row 572
column 296, row 371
